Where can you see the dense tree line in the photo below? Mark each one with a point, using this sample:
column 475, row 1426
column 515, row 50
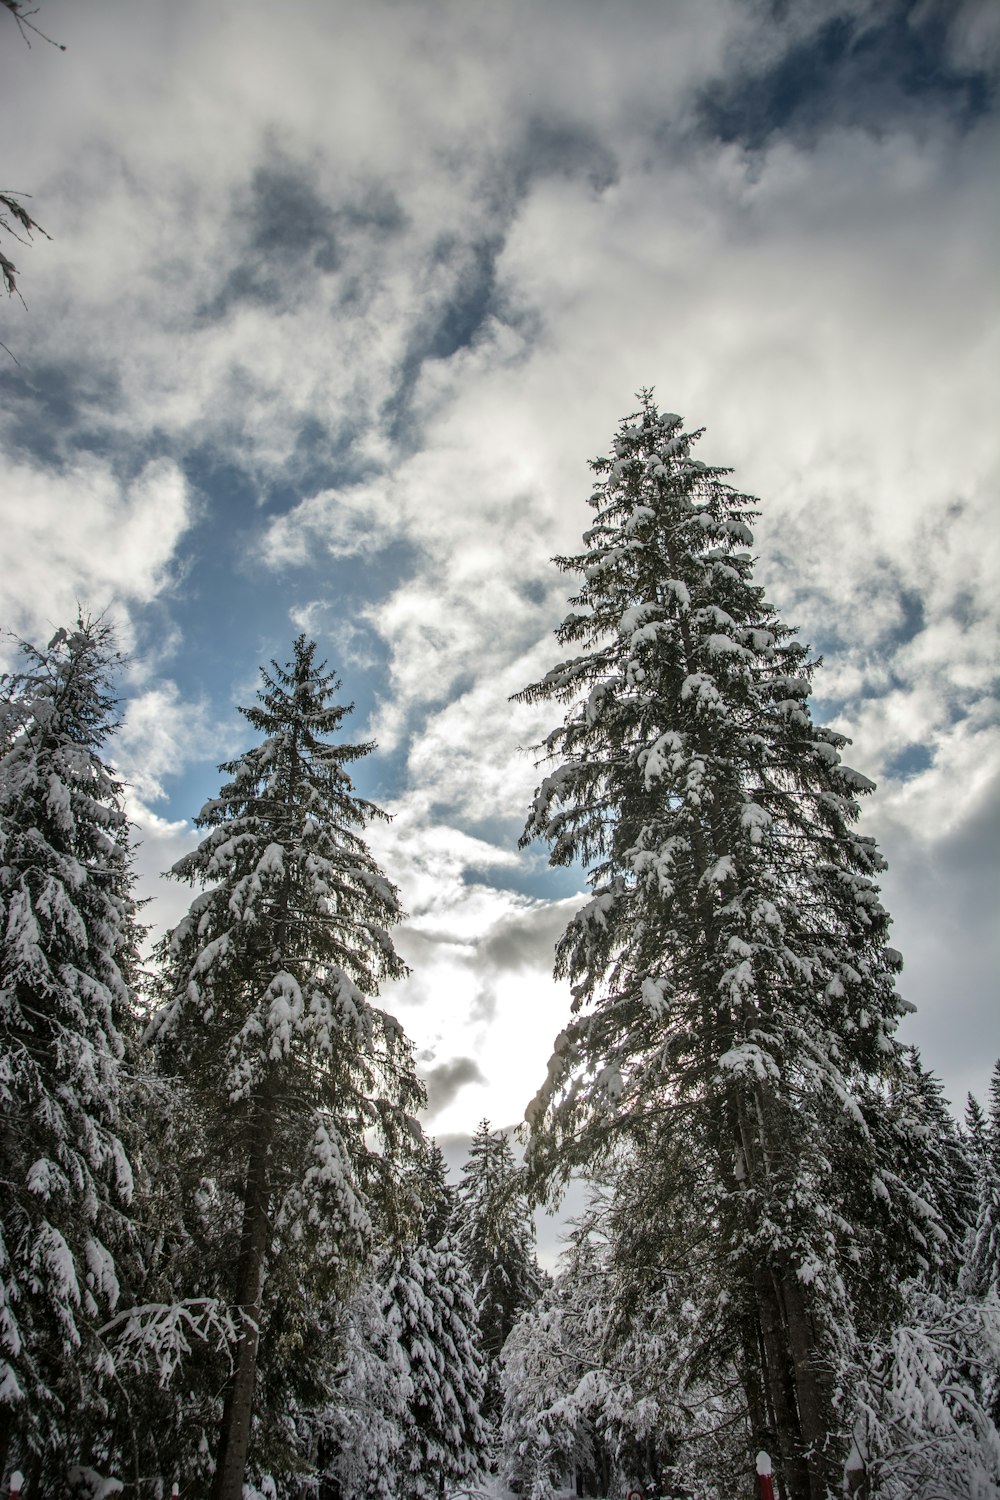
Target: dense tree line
column 229, row 1256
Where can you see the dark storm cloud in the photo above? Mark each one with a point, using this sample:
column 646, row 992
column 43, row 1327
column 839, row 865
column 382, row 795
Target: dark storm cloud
column 863, row 70
column 444, row 1081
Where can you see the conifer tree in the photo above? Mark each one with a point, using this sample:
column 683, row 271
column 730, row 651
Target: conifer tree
column 429, row 1308
column 927, row 1398
column 993, row 1115
column 733, row 987
column 495, row 1233
column 359, row 1431
column 975, row 1130
column 171, row 1337
column 307, row 1089
column 601, row 1379
column 936, row 1162
column 437, row 1196
column 68, row 935
column 981, row 1271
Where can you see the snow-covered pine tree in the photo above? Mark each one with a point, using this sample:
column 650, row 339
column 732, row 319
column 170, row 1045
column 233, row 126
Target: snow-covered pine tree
column 937, row 1162
column 495, row 1233
column 980, row 1276
column 731, row 974
column 975, row 1130
column 981, row 1272
column 437, row 1196
column 926, row 1399
column 171, row 1336
column 307, row 1089
column 429, row 1307
column 602, row 1379
column 993, row 1115
column 68, row 936
column 359, row 1432
column 544, row 1437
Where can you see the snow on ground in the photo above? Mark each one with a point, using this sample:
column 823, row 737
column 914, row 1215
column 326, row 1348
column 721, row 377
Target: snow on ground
column 493, row 1489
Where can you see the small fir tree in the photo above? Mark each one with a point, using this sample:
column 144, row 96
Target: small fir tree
column 981, row 1271
column 430, row 1311
column 993, row 1115
column 68, row 936
column 308, row 1090
column 975, row 1132
column 495, row 1233
column 437, row 1196
column 359, row 1431
column 937, row 1163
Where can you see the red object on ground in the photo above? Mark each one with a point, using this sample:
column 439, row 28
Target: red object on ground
column 764, row 1476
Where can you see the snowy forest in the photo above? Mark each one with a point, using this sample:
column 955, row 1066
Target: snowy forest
column 233, row 1265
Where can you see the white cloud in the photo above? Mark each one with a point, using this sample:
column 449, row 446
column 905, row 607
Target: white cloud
column 941, row 833
column 158, row 844
column 482, row 987
column 161, row 734
column 82, row 537
column 481, row 957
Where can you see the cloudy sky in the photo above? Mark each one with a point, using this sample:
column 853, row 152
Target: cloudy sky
column 339, row 299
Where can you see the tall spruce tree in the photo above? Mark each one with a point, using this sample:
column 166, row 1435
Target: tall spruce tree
column 732, row 982
column 306, row 1089
column 68, row 937
column 495, row 1233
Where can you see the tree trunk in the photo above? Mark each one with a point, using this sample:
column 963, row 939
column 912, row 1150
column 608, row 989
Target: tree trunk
column 780, row 1389
column 234, row 1435
column 812, row 1391
column 6, row 1433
